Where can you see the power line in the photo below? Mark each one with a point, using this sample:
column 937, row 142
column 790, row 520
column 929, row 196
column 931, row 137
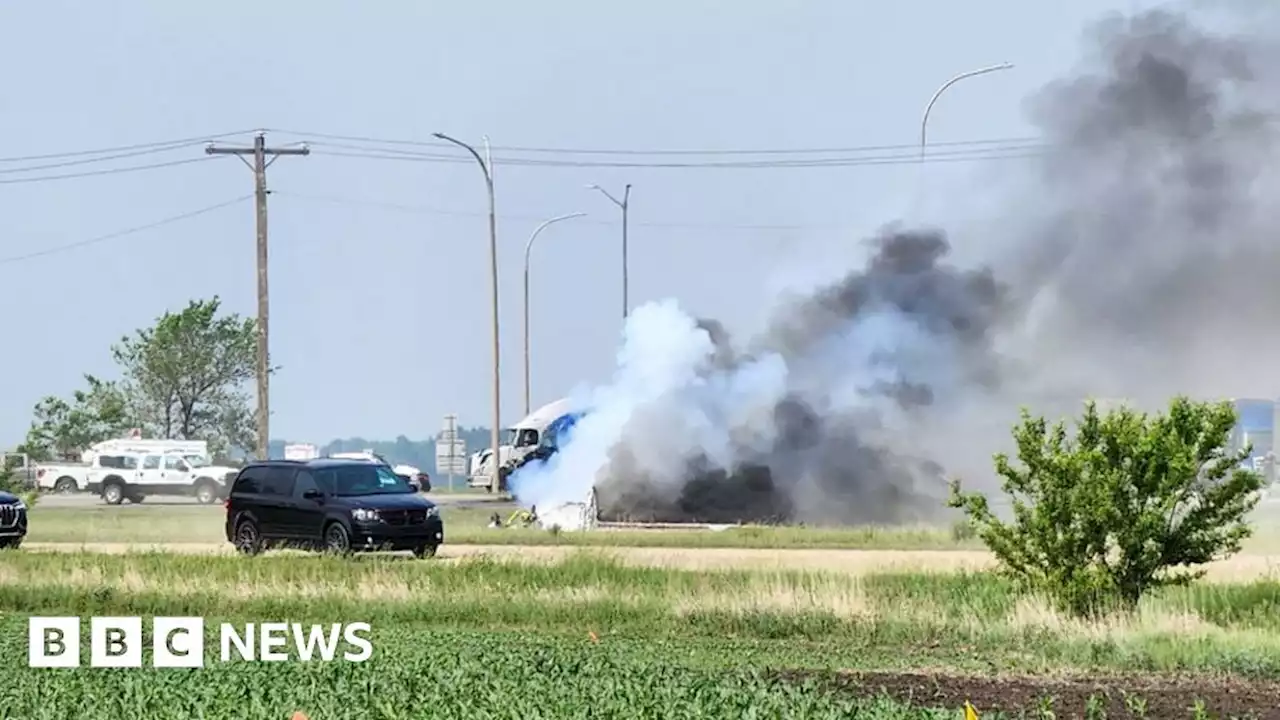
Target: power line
column 108, row 171
column 181, row 142
column 899, row 159
column 425, row 210
column 598, row 151
column 122, row 233
column 91, row 160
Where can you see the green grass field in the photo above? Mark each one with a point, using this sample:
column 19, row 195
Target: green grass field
column 639, row 624
column 467, row 526
column 487, row 638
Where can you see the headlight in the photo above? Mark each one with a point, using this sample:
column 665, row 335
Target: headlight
column 364, row 514
column 20, row 505
column 433, row 511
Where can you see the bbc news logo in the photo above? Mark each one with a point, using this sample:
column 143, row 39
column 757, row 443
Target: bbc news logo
column 179, row 642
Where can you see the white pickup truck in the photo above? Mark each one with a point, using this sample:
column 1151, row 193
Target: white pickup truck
column 62, row 478
column 135, row 476
column 59, row 477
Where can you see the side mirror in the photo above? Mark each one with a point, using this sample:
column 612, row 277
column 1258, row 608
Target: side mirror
column 312, row 495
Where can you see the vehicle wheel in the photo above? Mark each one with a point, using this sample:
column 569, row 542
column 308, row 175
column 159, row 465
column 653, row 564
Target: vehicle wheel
column 137, row 499
column 425, row 551
column 206, row 493
column 65, row 486
column 336, row 539
column 248, row 540
column 113, row 494
column 10, row 543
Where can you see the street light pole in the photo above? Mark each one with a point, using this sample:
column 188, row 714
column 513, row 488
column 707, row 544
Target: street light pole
column 623, row 204
column 528, row 246
column 924, row 122
column 486, row 165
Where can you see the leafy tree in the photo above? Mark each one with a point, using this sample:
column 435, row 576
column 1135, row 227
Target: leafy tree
column 1127, row 504
column 62, row 428
column 185, row 376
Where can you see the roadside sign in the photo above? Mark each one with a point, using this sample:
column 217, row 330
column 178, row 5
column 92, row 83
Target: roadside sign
column 451, row 450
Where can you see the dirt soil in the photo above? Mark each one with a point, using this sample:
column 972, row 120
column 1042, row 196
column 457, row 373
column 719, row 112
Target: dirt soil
column 1165, row 696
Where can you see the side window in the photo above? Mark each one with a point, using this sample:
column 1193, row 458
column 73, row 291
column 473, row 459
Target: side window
column 127, row 462
column 151, row 462
column 324, row 479
column 173, row 462
column 279, row 481
column 249, row 481
column 304, row 482
column 528, row 437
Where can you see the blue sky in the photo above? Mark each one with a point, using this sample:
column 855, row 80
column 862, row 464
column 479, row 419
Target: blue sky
column 379, row 267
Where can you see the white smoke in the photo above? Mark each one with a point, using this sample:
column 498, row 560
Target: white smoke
column 665, row 403
column 813, row 404
column 1141, row 258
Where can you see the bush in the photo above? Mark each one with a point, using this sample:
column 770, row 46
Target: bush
column 1129, row 503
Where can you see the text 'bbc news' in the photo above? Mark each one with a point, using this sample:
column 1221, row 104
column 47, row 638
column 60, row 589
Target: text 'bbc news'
column 179, row 642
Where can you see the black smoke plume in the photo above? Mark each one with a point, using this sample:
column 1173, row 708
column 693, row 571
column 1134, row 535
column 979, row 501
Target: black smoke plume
column 1140, row 259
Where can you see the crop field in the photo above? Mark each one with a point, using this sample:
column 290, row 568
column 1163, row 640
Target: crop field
column 588, row 635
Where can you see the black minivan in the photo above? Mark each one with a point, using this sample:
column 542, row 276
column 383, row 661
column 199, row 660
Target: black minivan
column 340, row 506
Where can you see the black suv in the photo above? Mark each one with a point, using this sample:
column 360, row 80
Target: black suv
column 329, row 504
column 13, row 520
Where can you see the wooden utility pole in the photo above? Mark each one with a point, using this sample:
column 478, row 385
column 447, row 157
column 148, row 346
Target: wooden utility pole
column 260, row 151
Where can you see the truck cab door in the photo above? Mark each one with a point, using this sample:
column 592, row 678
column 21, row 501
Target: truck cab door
column 150, row 474
column 175, row 473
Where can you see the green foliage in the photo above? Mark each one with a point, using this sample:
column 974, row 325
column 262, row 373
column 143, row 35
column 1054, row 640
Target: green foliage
column 1127, row 504
column 185, row 376
column 62, row 429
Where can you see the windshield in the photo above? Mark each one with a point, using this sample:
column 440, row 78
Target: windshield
column 359, row 480
column 510, row 436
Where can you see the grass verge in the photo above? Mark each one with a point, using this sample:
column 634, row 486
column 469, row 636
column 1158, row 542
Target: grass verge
column 466, row 526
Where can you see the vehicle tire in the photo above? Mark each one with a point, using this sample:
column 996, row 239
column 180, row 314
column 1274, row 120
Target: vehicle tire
column 137, row 498
column 248, row 539
column 425, row 551
column 10, row 543
column 65, row 486
column 113, row 493
column 206, row 493
column 337, row 541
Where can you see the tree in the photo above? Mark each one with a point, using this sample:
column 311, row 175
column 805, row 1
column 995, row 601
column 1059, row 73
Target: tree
column 184, row 376
column 64, row 428
column 1130, row 503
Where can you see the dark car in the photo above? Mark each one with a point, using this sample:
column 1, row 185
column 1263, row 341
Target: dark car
column 337, row 505
column 13, row 520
